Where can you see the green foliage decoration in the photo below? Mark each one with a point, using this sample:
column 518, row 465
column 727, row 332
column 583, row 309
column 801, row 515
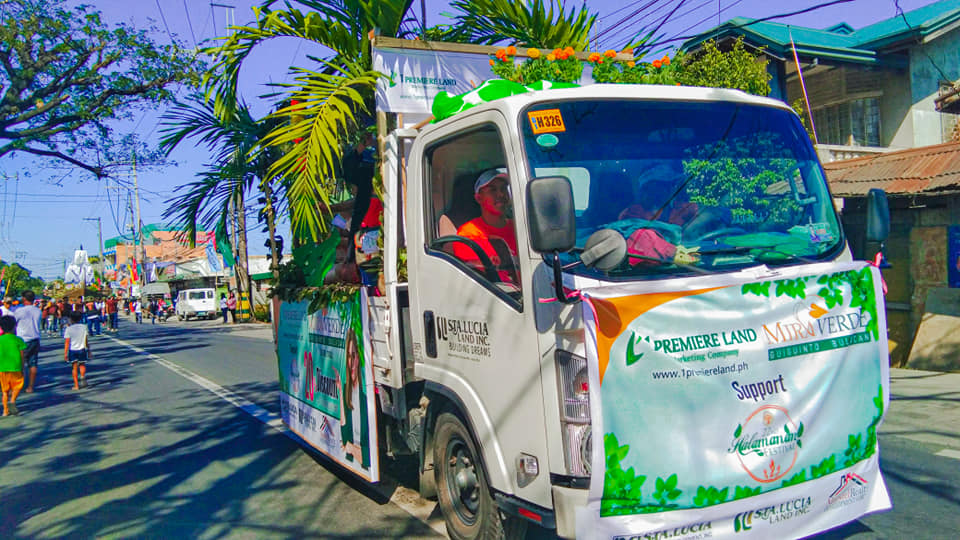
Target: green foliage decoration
column 735, row 68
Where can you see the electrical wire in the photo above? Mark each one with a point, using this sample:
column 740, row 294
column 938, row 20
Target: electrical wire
column 899, row 11
column 190, row 25
column 755, row 21
column 164, row 19
column 639, row 22
column 664, row 19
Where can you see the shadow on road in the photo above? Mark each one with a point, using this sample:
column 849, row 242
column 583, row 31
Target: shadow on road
column 130, row 457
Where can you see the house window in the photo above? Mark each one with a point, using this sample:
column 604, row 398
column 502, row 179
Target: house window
column 855, row 122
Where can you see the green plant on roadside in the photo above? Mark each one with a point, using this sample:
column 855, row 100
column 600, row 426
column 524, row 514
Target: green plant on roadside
column 261, row 312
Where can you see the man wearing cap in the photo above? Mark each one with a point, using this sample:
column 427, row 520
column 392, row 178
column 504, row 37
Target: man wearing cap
column 494, row 225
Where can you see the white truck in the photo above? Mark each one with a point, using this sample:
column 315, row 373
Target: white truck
column 490, row 373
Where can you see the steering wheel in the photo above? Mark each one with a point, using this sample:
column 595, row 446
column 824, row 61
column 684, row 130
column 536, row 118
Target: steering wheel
column 723, row 231
column 489, row 269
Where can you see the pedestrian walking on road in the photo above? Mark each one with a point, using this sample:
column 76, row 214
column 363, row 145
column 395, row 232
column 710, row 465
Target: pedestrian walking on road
column 232, row 306
column 28, row 328
column 76, row 350
column 138, row 310
column 223, row 307
column 11, row 365
column 112, row 313
column 152, row 307
column 93, row 319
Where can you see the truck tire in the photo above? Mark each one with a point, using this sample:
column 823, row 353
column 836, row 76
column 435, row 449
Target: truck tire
column 463, row 490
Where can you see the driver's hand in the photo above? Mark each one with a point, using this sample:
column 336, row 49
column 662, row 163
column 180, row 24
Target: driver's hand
column 685, row 255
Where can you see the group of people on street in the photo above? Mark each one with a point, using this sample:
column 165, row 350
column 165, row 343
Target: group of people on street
column 20, row 333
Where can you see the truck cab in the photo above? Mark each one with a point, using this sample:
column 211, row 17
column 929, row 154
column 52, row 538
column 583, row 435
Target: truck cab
column 666, row 184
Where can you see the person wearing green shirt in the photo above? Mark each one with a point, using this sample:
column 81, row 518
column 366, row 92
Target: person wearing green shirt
column 11, row 364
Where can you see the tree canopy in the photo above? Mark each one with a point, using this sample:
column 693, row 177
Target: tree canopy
column 17, row 279
column 65, row 75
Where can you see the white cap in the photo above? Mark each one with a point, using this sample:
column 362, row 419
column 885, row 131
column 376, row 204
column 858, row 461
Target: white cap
column 489, row 176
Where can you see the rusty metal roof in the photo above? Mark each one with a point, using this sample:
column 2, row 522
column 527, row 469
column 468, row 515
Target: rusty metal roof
column 927, row 170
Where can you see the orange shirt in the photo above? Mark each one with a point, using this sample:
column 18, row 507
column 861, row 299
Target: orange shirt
column 480, row 232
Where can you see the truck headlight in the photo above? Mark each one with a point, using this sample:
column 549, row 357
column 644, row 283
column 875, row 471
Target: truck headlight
column 574, row 391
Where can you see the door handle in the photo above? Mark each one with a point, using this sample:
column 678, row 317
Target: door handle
column 430, row 333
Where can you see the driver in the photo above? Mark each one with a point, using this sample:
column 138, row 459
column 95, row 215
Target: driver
column 494, row 226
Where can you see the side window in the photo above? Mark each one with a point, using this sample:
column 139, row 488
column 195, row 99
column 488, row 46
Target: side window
column 471, row 208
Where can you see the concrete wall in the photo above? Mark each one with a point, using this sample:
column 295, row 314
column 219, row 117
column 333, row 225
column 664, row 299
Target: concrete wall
column 929, row 126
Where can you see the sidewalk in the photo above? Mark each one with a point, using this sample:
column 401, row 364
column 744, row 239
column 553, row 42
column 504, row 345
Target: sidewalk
column 924, row 406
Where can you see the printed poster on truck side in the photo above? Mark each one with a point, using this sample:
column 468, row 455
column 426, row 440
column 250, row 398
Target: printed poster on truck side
column 736, row 406
column 326, row 382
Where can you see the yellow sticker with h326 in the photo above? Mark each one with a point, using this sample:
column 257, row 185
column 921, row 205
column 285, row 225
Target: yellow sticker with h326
column 548, row 121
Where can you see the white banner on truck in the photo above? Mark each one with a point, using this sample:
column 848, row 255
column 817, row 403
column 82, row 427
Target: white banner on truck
column 757, row 421
column 414, row 77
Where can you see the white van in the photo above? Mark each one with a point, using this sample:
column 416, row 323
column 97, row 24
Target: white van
column 196, row 303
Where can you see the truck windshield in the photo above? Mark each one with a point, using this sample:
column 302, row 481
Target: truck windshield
column 691, row 186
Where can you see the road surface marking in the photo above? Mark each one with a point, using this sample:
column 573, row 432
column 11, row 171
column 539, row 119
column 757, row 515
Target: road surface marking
column 408, row 500
column 947, row 452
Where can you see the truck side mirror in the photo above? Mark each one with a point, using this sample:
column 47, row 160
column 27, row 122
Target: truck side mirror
column 550, row 213
column 878, row 216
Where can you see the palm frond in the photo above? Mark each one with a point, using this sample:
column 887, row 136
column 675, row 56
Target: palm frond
column 327, row 109
column 533, row 23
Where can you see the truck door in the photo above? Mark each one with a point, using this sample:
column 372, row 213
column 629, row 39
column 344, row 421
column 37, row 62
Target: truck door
column 474, row 334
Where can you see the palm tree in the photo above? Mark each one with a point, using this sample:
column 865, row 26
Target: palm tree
column 324, row 104
column 530, row 24
column 209, row 200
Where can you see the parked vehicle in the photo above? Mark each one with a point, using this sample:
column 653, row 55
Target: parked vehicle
column 197, row 303
column 672, row 244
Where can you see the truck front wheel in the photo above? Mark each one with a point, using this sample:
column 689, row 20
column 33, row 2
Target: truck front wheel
column 462, row 487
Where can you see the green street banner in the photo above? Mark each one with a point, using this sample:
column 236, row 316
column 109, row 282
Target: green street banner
column 741, row 406
column 326, row 382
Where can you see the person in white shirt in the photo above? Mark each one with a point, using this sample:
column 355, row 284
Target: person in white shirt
column 5, row 308
column 28, row 318
column 138, row 310
column 76, row 349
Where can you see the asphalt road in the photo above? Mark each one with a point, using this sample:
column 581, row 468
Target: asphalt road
column 177, row 437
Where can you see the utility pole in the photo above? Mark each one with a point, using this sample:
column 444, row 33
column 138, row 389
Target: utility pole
column 139, row 225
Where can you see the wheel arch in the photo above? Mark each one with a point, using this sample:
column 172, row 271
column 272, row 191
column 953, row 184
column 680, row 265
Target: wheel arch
column 444, row 399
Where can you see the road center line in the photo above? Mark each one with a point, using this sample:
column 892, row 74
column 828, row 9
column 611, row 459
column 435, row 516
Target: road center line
column 407, row 499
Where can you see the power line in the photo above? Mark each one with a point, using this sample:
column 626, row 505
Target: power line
column 943, row 76
column 190, row 25
column 638, row 22
column 164, row 19
column 771, row 17
column 661, row 20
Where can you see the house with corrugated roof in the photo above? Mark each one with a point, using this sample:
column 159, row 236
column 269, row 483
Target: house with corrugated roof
column 870, row 89
column 923, row 186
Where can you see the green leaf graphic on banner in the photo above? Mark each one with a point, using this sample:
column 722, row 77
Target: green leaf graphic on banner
column 825, row 467
column 737, row 432
column 667, row 489
column 709, row 496
column 742, row 492
column 798, row 478
column 632, row 356
column 758, row 289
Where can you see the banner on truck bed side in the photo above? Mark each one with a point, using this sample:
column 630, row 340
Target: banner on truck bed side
column 736, row 407
column 326, row 382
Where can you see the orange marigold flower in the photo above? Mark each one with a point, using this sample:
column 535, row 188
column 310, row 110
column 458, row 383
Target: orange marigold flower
column 631, row 63
column 569, row 51
column 501, row 54
column 610, row 53
column 551, row 57
column 492, row 62
column 657, row 64
column 666, row 60
column 562, row 55
column 511, row 50
column 556, row 52
column 533, row 52
column 678, row 84
column 593, row 57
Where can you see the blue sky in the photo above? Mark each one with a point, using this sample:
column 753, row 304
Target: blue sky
column 47, row 213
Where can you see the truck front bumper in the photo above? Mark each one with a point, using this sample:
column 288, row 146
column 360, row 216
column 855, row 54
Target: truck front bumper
column 565, row 503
